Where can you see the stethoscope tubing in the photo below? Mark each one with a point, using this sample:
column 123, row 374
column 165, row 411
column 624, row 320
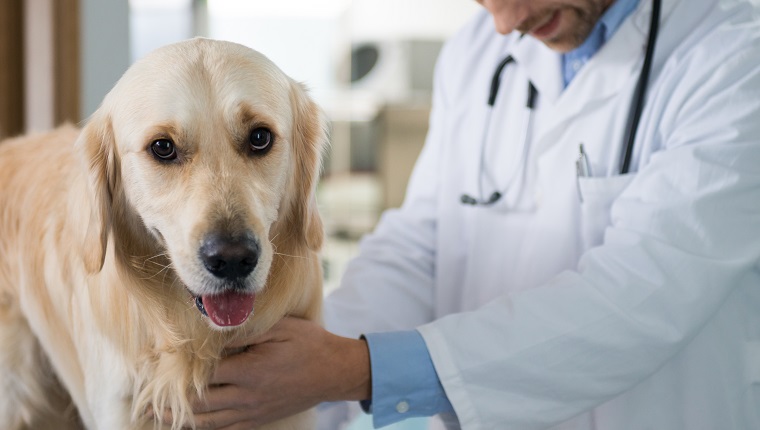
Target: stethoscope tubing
column 641, row 88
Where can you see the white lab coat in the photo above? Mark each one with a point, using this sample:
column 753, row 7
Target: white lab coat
column 638, row 308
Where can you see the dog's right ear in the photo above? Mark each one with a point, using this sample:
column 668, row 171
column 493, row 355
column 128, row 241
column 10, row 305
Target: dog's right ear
column 96, row 147
column 310, row 140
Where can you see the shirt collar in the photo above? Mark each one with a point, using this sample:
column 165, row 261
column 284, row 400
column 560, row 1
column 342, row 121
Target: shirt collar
column 604, row 29
column 614, row 16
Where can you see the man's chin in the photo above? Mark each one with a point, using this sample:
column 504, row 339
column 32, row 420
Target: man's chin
column 561, row 46
column 573, row 29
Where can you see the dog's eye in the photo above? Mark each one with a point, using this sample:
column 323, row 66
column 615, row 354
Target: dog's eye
column 261, row 139
column 163, row 149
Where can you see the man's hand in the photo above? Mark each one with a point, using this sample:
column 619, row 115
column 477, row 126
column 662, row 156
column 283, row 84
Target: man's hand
column 292, row 368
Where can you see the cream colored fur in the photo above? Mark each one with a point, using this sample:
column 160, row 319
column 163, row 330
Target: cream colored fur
column 99, row 240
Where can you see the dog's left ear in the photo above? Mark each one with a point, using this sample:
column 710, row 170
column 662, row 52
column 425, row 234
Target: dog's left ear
column 310, row 140
column 96, row 147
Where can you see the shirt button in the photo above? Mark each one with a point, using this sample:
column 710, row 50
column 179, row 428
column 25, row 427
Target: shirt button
column 402, row 407
column 576, row 65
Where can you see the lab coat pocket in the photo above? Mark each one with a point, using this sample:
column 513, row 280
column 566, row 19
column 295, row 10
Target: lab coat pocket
column 597, row 195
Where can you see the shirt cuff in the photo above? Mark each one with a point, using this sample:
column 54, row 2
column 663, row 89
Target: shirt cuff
column 404, row 381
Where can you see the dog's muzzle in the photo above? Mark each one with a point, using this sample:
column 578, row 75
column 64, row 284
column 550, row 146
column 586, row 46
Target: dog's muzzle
column 230, row 259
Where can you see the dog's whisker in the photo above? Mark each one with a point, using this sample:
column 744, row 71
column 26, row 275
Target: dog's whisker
column 288, row 255
column 192, row 306
column 146, row 278
column 149, row 259
column 165, row 269
column 274, row 245
column 163, row 280
column 163, row 254
column 149, row 256
column 174, row 282
column 153, row 263
column 156, row 263
column 162, row 266
column 139, row 262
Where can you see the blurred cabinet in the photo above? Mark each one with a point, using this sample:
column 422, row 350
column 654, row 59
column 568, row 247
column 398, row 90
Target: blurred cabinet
column 11, row 71
column 39, row 53
column 402, row 130
column 51, row 63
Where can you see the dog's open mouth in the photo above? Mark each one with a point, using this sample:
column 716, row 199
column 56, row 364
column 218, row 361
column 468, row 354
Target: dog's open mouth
column 227, row 309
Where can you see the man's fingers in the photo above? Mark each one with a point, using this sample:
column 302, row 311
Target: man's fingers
column 248, row 340
column 244, row 341
column 243, row 425
column 229, row 370
column 218, row 397
column 165, row 416
column 221, row 409
column 227, row 418
column 277, row 332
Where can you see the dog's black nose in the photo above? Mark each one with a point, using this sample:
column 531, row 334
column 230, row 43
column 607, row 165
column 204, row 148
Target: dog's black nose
column 229, row 258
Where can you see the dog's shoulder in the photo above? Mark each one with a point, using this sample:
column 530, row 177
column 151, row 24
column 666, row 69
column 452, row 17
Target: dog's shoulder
column 61, row 138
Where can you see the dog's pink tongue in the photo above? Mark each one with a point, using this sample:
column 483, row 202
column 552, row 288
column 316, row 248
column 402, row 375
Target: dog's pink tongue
column 228, row 309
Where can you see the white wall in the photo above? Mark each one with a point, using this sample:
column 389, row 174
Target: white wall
column 105, row 49
column 300, row 36
column 408, row 19
column 155, row 23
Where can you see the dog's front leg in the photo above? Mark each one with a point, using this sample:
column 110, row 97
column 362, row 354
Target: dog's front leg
column 109, row 387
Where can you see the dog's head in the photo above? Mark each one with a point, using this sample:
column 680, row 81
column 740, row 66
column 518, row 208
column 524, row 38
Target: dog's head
column 207, row 152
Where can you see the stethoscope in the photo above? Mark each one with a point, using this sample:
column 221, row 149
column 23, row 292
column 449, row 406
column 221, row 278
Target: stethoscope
column 634, row 116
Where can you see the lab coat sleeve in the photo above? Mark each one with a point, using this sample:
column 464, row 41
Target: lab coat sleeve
column 683, row 237
column 389, row 286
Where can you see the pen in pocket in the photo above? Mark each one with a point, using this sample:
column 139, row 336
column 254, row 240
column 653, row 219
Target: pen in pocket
column 583, row 168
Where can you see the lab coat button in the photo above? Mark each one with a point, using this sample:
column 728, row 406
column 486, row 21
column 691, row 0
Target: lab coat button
column 402, row 407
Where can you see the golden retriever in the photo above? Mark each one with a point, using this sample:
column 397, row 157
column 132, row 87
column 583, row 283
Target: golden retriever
column 181, row 216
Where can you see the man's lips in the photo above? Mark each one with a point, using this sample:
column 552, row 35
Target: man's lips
column 547, row 28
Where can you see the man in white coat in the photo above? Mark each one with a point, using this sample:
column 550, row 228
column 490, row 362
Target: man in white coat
column 579, row 297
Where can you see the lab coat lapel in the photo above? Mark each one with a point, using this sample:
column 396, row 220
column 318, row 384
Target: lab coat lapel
column 605, row 75
column 542, row 66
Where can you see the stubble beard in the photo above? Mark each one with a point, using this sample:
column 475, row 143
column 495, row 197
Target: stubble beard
column 582, row 21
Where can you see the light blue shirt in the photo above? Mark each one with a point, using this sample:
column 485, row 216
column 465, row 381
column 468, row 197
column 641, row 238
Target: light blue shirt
column 404, row 381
